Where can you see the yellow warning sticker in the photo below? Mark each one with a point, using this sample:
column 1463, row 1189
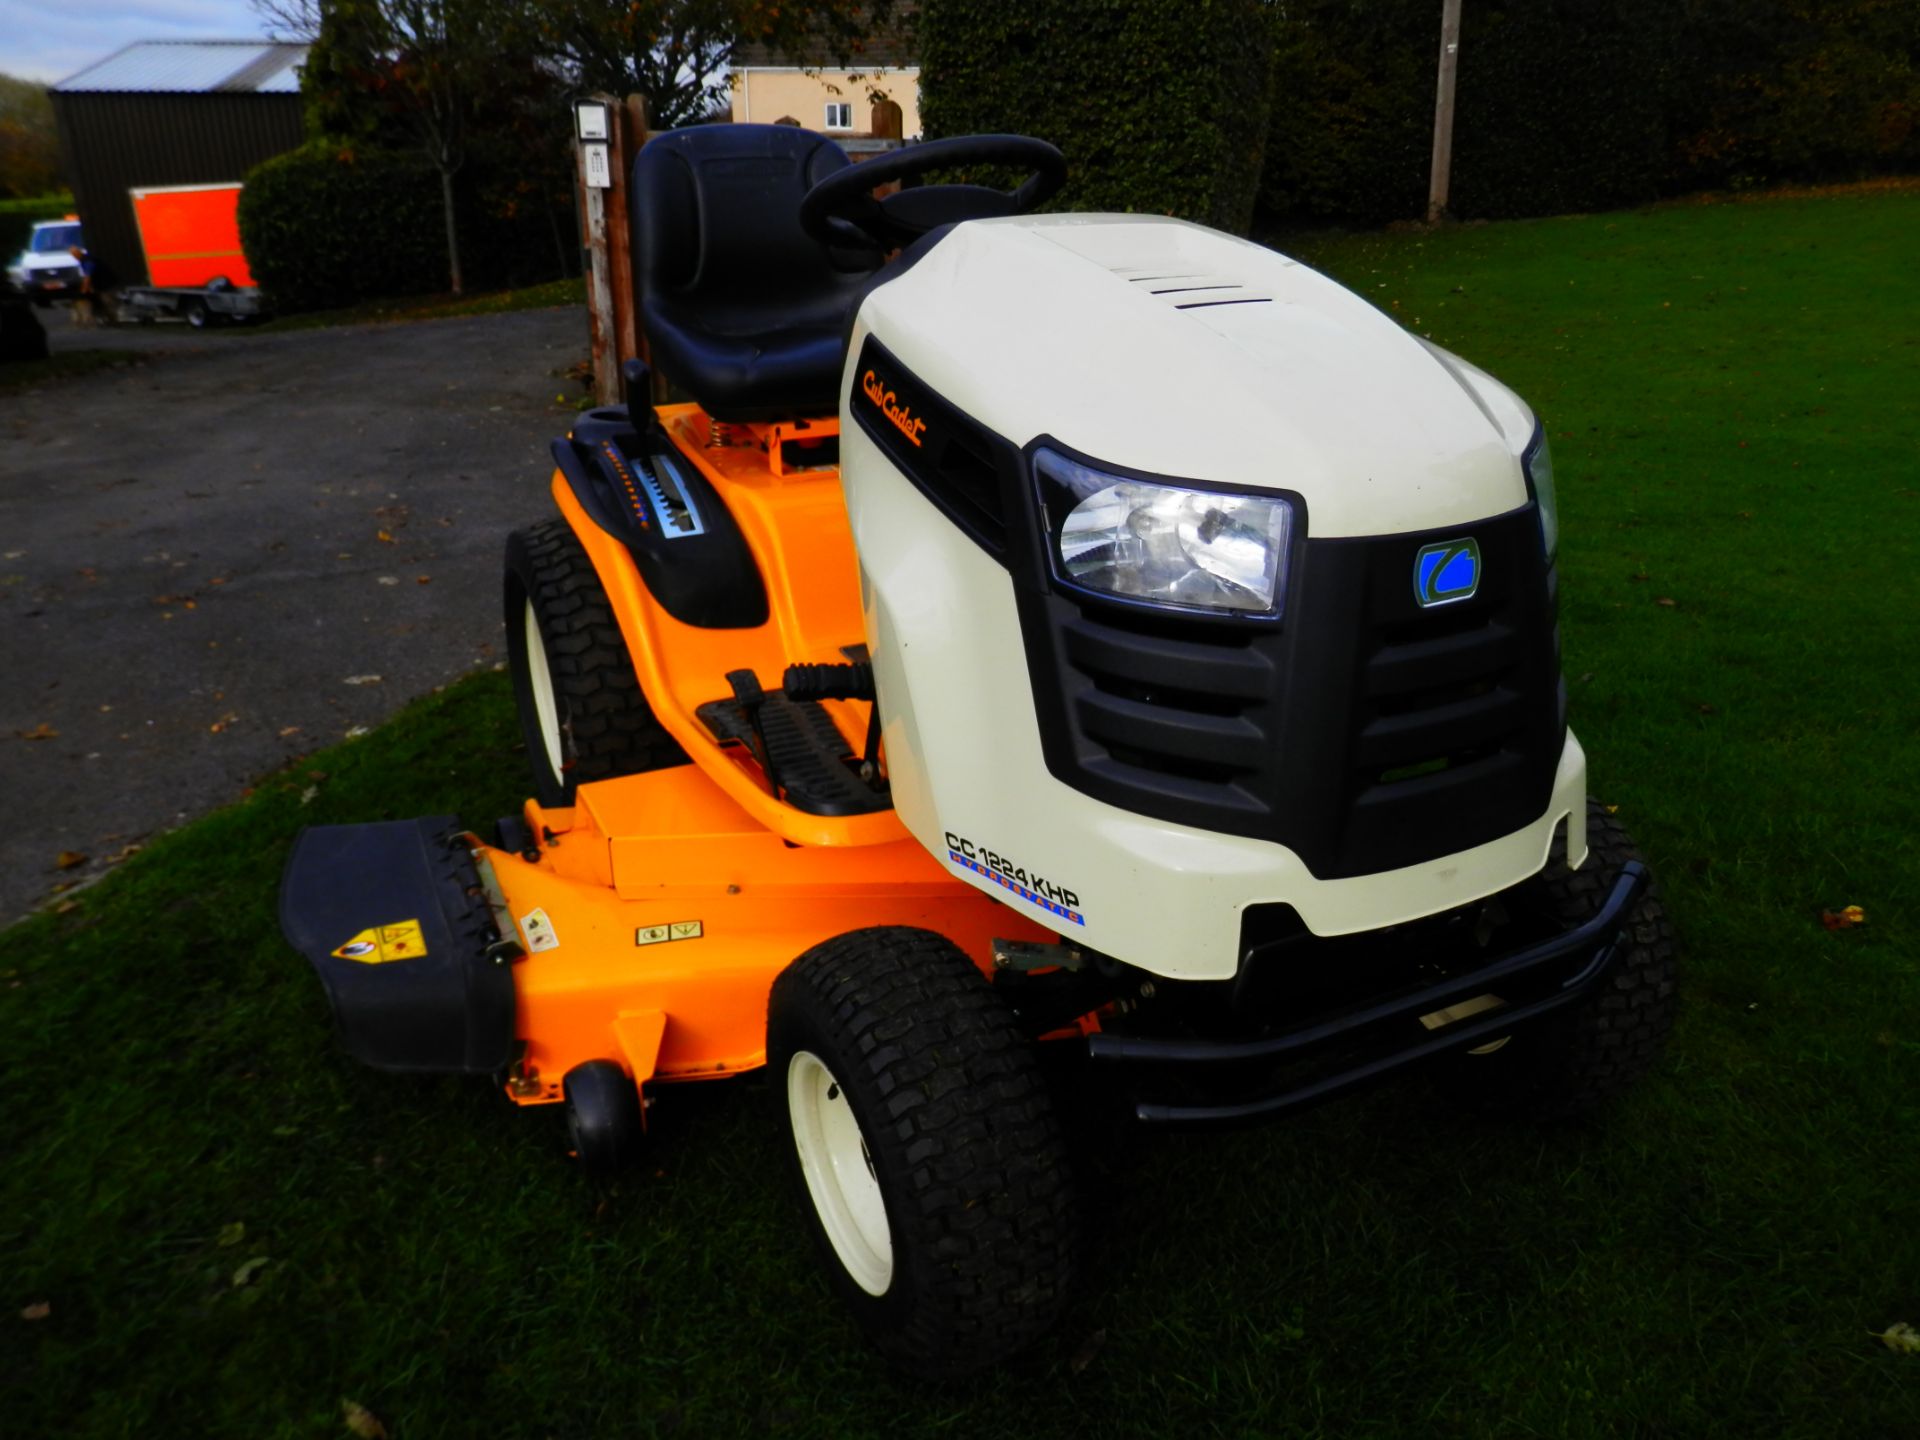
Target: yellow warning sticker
column 385, row 942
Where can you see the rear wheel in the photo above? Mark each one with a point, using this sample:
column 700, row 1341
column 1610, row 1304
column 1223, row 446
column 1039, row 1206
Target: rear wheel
column 197, row 315
column 1615, row 1036
column 922, row 1141
column 581, row 708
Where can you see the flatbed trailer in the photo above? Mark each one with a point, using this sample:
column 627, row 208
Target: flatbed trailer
column 196, row 269
column 217, row 302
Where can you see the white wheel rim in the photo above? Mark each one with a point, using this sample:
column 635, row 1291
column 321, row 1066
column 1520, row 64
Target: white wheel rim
column 840, row 1178
column 540, row 681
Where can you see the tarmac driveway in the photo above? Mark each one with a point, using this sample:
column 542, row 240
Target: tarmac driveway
column 232, row 553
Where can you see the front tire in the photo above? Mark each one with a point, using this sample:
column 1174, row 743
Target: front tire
column 582, row 712
column 1616, row 1035
column 921, row 1139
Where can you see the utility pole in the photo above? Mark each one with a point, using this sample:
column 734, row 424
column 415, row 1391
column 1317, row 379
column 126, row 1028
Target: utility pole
column 1443, row 112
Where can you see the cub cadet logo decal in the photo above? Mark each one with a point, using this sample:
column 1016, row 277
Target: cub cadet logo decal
column 1037, row 890
column 385, row 942
column 889, row 405
column 1447, row 572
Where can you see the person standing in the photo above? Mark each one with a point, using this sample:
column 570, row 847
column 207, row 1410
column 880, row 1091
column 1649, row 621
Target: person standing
column 83, row 302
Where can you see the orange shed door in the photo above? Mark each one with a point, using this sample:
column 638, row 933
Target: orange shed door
column 191, row 233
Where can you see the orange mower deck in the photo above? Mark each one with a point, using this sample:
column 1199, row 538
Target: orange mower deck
column 659, row 912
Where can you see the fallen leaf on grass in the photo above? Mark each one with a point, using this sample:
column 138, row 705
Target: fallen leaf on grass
column 1843, row 919
column 361, row 1421
column 231, row 1235
column 39, row 1310
column 1901, row 1336
column 309, row 795
column 40, row 732
column 356, row 731
column 1667, row 602
column 68, row 859
column 248, row 1269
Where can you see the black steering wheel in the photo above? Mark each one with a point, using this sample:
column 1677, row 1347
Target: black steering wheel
column 841, row 211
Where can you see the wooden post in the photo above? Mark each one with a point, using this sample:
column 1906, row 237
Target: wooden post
column 603, row 325
column 1443, row 112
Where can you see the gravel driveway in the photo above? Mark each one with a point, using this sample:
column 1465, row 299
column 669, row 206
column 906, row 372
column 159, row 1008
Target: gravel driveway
column 237, row 549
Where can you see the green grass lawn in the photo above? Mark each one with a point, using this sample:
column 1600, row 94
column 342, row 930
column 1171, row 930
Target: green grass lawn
column 1731, row 392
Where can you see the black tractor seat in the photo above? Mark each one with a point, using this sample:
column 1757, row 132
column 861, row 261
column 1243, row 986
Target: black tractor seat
column 740, row 307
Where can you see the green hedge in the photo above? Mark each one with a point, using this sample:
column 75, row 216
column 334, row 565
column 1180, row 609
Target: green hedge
column 325, row 226
column 331, row 224
column 1568, row 105
column 1159, row 108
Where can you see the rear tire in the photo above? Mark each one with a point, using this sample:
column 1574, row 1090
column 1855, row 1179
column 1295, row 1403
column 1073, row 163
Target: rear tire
column 197, row 315
column 582, row 713
column 1615, row 1036
column 921, row 1139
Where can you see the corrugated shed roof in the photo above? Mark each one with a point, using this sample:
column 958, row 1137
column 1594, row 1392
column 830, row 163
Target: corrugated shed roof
column 195, row 67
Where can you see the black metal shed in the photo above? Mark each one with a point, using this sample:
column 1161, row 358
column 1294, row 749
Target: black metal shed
column 165, row 112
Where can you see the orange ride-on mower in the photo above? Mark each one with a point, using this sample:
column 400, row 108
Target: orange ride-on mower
column 1076, row 631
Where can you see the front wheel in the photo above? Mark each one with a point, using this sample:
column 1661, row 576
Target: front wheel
column 1612, row 1038
column 923, row 1144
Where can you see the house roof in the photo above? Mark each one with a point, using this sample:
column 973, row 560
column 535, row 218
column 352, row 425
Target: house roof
column 891, row 46
column 266, row 67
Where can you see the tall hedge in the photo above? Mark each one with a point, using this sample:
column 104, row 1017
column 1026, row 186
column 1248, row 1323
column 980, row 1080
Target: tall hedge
column 331, row 224
column 1569, row 105
column 325, row 225
column 1160, row 108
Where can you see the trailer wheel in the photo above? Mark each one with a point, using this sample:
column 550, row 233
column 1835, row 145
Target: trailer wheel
column 604, row 1122
column 920, row 1137
column 1605, row 1045
column 581, row 708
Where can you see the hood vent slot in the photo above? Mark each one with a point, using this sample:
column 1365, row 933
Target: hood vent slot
column 1187, row 289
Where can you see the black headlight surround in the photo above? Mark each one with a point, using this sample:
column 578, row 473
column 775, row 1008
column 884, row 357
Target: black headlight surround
column 1053, row 502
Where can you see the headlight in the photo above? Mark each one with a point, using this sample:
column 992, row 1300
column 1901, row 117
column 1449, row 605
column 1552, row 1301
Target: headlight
column 1538, row 460
column 1142, row 540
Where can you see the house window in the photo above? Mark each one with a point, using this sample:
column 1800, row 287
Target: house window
column 840, row 116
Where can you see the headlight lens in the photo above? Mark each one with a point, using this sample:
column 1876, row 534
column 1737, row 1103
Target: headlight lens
column 1539, row 464
column 1163, row 543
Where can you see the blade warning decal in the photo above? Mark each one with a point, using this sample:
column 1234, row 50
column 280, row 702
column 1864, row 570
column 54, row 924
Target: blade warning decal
column 383, row 943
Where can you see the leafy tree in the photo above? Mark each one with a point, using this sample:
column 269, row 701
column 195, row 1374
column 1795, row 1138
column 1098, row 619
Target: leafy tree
column 424, row 75
column 677, row 52
column 29, row 149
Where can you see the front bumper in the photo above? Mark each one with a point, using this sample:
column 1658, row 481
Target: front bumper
column 1223, row 1082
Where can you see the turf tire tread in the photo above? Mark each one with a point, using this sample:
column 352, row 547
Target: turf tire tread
column 951, row 1098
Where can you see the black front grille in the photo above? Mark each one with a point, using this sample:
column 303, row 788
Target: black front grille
column 1362, row 732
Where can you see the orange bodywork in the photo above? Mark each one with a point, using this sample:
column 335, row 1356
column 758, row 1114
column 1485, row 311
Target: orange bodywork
column 191, row 234
column 661, row 906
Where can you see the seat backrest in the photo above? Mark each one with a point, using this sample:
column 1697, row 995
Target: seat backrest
column 715, row 211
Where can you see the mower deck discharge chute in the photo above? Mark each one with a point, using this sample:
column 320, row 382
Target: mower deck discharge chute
column 1079, row 634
